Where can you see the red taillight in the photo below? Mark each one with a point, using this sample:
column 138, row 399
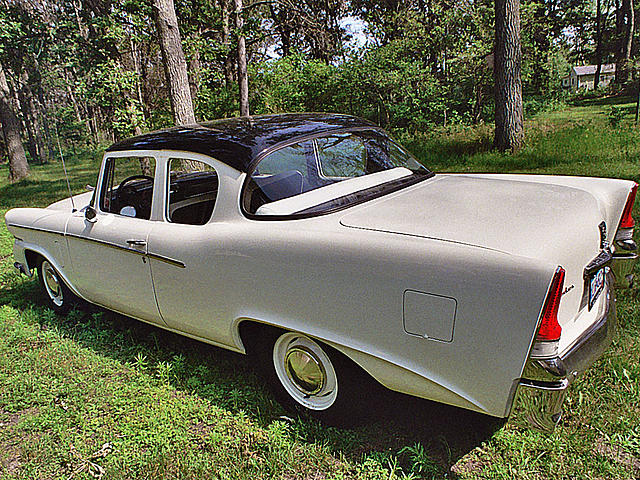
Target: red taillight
column 627, row 219
column 550, row 329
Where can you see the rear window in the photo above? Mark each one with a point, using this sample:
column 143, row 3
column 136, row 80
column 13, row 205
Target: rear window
column 317, row 175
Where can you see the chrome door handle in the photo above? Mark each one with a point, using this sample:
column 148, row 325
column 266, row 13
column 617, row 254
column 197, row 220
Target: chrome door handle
column 136, row 243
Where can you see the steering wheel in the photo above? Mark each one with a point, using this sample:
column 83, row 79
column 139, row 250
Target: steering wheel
column 124, row 191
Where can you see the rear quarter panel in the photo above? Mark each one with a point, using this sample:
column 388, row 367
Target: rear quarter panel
column 346, row 287
column 610, row 193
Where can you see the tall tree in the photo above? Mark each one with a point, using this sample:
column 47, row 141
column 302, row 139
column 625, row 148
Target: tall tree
column 625, row 24
column 243, row 80
column 509, row 132
column 174, row 61
column 18, row 166
column 596, row 78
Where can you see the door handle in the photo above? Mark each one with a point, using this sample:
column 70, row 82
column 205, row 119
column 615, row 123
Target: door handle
column 136, row 243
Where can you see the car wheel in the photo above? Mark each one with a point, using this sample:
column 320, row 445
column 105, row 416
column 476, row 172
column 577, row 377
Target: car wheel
column 309, row 377
column 59, row 297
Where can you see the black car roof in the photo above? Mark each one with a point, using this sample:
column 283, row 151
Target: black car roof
column 239, row 141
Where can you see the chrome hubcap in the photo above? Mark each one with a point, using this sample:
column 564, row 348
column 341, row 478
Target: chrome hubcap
column 52, row 283
column 304, row 370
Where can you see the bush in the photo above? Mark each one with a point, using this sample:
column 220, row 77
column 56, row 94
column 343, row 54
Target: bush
column 616, row 114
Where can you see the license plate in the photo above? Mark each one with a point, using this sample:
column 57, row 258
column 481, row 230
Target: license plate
column 596, row 284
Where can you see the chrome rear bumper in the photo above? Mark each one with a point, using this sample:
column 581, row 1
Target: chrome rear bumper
column 625, row 256
column 544, row 384
column 622, row 266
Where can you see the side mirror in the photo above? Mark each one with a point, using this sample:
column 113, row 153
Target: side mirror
column 90, row 214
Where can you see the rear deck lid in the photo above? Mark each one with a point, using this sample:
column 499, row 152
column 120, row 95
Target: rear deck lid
column 556, row 224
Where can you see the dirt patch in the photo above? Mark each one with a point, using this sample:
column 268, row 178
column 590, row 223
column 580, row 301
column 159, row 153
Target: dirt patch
column 8, row 419
column 200, row 429
column 603, row 448
column 10, row 461
column 466, row 466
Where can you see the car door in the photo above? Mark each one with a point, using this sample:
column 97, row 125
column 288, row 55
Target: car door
column 183, row 259
column 109, row 252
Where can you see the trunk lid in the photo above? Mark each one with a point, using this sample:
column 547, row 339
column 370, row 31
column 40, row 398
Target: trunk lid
column 554, row 223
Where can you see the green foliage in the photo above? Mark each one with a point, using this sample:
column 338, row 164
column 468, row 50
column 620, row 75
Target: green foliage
column 421, row 463
column 169, row 407
column 615, row 116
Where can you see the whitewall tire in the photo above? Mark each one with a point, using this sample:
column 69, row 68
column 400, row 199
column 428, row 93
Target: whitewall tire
column 59, row 297
column 312, row 378
column 305, row 371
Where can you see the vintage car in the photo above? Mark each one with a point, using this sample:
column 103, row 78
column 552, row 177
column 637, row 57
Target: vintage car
column 320, row 245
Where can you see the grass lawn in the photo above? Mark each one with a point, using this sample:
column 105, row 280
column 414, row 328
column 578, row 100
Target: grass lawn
column 97, row 395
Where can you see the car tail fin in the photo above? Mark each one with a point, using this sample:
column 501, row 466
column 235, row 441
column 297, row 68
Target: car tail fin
column 549, row 329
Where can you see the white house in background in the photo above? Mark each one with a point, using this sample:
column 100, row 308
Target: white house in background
column 583, row 77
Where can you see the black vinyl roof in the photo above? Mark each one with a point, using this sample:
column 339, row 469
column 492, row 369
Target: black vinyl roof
column 238, row 141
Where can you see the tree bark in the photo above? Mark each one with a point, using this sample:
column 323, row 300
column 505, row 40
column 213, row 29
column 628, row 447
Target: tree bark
column 41, row 104
column 243, row 81
column 32, row 116
column 540, row 37
column 18, row 166
column 629, row 35
column 226, row 41
column 625, row 23
column 596, row 78
column 509, row 131
column 175, row 65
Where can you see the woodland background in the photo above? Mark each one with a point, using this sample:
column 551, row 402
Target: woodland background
column 92, row 72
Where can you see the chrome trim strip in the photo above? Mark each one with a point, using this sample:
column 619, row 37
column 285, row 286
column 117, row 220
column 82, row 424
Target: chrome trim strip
column 34, row 228
column 170, row 261
column 155, row 256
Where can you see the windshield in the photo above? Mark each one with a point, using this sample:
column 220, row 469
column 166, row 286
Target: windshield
column 318, row 175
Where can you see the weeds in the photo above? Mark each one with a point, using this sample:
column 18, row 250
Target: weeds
column 95, row 392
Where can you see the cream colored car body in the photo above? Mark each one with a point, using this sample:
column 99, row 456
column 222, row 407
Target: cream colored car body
column 435, row 290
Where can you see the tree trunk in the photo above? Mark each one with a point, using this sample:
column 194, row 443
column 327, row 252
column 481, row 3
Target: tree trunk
column 24, row 116
column 194, row 78
column 18, row 166
column 629, row 35
column 40, row 102
column 596, row 78
column 139, row 77
column 175, row 65
column 226, row 41
column 509, row 133
column 243, row 81
column 32, row 116
column 540, row 36
column 625, row 23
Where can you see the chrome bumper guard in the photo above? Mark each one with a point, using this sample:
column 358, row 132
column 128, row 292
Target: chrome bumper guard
column 624, row 259
column 622, row 266
column 543, row 387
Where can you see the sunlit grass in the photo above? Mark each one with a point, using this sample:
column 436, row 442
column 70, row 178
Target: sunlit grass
column 95, row 391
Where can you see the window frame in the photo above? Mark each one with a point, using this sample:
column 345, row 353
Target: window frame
column 167, row 185
column 96, row 201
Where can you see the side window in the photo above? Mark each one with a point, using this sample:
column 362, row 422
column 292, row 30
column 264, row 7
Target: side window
column 127, row 187
column 342, row 156
column 193, row 188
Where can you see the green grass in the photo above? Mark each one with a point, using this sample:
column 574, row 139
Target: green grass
column 94, row 392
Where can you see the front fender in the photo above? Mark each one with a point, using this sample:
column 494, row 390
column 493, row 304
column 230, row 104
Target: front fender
column 21, row 252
